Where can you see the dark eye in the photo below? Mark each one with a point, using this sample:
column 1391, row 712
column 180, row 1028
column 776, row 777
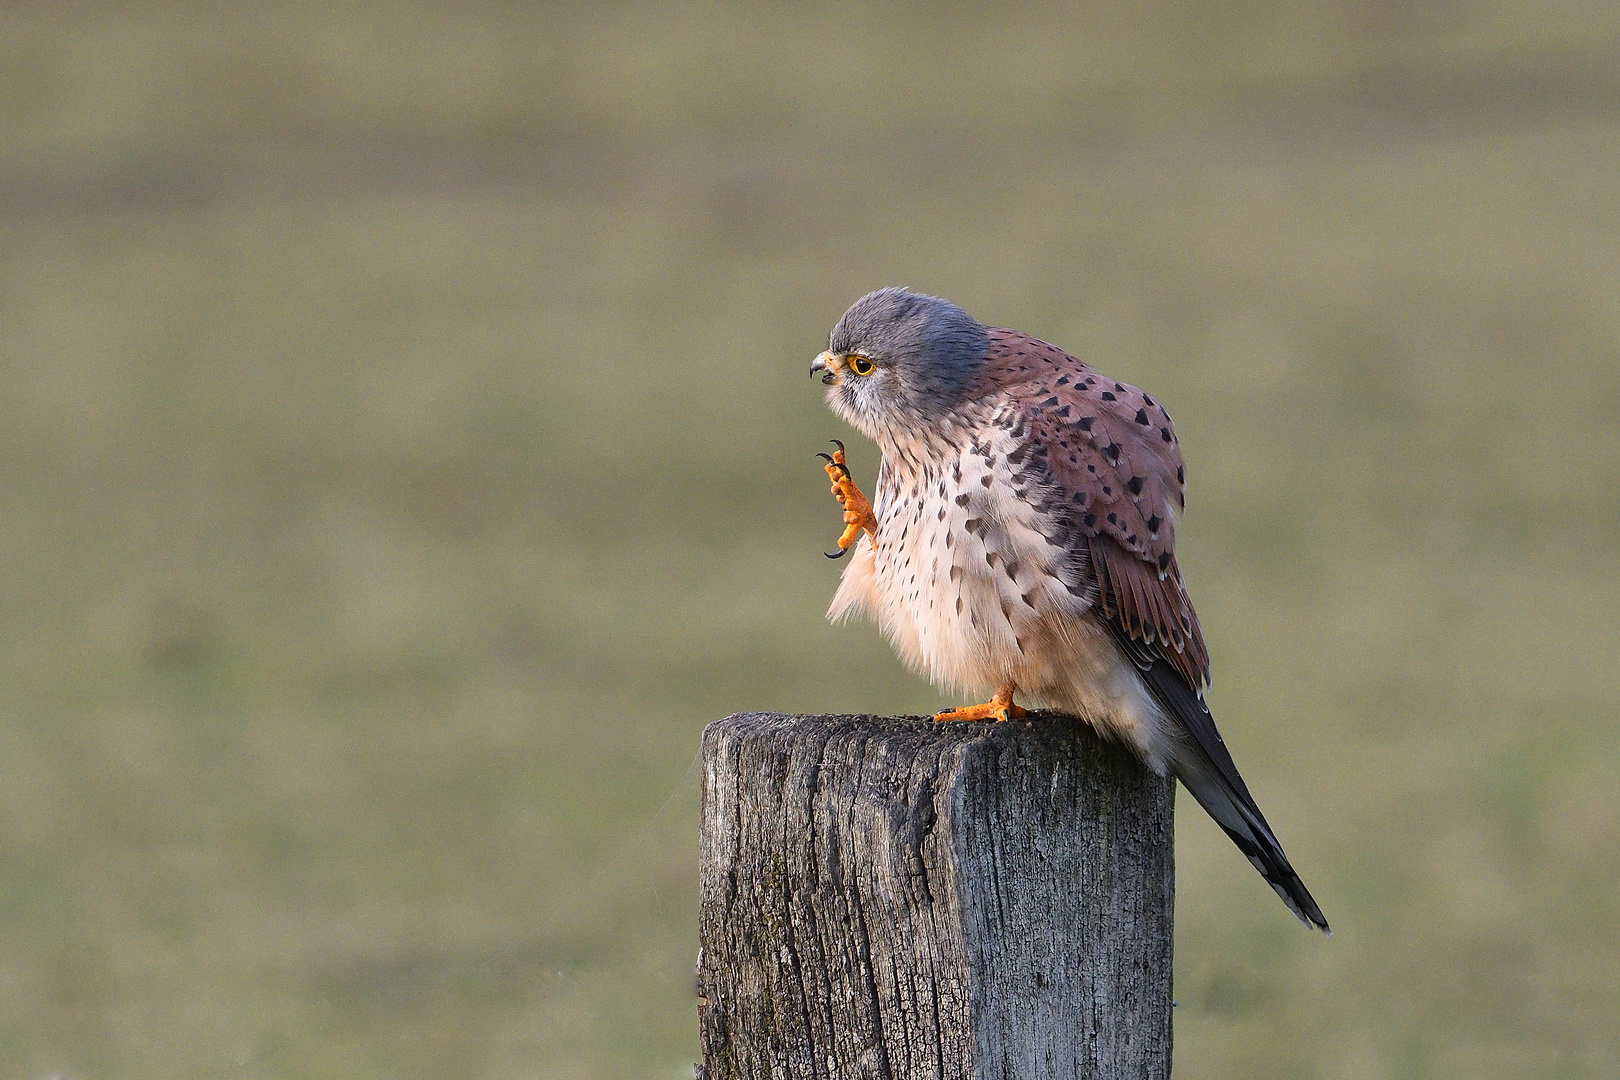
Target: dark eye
column 860, row 365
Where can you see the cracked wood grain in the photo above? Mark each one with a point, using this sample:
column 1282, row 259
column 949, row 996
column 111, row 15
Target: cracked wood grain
column 898, row 899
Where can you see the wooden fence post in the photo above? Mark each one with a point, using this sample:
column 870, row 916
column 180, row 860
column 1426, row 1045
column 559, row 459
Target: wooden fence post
column 902, row 899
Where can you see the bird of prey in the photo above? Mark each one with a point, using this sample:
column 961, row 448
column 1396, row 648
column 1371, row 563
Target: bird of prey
column 1023, row 542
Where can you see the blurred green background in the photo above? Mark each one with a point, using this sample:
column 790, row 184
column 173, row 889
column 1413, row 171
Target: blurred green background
column 405, row 448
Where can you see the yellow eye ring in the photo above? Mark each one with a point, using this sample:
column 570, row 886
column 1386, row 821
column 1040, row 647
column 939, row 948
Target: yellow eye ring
column 860, row 365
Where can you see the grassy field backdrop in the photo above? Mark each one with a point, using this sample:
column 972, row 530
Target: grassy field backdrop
column 405, row 447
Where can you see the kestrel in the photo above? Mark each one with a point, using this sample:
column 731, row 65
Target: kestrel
column 1023, row 542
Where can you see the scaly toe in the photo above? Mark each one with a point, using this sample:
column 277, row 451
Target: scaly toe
column 970, row 712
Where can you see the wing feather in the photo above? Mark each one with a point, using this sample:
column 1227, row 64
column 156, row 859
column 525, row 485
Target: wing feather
column 1113, row 468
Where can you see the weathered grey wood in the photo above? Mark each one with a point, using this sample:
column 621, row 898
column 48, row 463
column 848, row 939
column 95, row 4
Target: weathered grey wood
column 900, row 899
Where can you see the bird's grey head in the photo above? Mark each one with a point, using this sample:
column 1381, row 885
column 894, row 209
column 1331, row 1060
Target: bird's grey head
column 898, row 359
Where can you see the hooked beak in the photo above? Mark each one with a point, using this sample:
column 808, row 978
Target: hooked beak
column 826, row 365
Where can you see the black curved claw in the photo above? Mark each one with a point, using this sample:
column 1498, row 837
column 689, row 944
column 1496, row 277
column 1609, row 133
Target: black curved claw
column 841, row 553
column 838, row 444
column 835, row 464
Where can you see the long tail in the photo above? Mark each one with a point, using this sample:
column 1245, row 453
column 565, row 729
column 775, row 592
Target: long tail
column 1205, row 767
column 1234, row 810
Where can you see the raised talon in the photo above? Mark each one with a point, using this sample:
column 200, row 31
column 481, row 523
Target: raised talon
column 998, row 708
column 857, row 510
column 841, row 553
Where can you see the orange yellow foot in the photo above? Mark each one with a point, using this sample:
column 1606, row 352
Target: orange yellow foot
column 998, row 708
column 857, row 510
